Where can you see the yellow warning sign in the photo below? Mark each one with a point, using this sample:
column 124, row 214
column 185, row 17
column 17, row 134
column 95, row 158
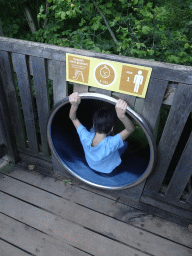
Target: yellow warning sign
column 109, row 75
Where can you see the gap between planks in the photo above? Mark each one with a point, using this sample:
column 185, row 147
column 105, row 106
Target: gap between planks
column 113, row 222
column 63, row 230
column 119, row 196
column 121, row 211
column 33, row 240
column 8, row 249
column 64, row 208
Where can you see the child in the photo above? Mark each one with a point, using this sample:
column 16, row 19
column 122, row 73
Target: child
column 102, row 152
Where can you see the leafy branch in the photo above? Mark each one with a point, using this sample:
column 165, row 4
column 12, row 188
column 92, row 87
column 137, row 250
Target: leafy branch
column 158, row 30
column 65, row 39
column 106, row 23
column 46, row 11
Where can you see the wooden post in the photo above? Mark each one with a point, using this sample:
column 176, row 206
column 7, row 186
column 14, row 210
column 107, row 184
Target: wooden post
column 6, row 126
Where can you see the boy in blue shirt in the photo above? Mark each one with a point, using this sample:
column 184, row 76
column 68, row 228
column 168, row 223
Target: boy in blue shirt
column 102, row 151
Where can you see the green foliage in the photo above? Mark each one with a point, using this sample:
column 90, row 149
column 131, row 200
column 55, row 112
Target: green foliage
column 67, row 181
column 13, row 19
column 155, row 30
column 137, row 140
column 179, row 13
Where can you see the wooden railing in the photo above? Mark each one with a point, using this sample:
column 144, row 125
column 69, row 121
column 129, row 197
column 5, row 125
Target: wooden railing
column 35, row 68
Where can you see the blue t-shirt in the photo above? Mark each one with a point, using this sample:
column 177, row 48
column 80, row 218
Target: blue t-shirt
column 105, row 156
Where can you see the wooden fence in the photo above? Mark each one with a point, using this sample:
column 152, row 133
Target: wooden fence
column 39, row 68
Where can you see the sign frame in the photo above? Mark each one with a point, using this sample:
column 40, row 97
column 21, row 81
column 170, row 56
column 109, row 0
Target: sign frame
column 108, row 75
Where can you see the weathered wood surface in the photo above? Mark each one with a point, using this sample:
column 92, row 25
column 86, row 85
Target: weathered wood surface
column 139, row 102
column 21, row 68
column 60, row 92
column 80, row 88
column 40, row 83
column 85, row 217
column 189, row 199
column 149, row 109
column 59, row 81
column 36, row 158
column 153, row 101
column 168, row 97
column 1, row 134
column 6, row 249
column 31, row 240
column 160, row 204
column 12, row 102
column 102, row 91
column 90, row 222
column 161, row 70
column 181, row 176
column 6, row 126
column 63, row 229
column 174, row 126
column 152, row 207
column 128, row 98
column 47, row 61
column 125, row 197
column 170, row 93
column 3, row 150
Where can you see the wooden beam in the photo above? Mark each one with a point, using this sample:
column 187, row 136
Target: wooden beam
column 176, row 121
column 41, row 93
column 21, row 68
column 12, row 100
column 167, row 71
column 3, row 150
column 6, row 126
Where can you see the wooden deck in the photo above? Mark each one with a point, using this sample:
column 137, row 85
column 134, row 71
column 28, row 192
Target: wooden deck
column 40, row 215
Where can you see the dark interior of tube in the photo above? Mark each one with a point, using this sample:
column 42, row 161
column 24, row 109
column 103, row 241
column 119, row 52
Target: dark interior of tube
column 69, row 150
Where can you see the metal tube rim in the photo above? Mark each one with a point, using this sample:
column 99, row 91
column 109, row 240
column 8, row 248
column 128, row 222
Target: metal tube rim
column 130, row 112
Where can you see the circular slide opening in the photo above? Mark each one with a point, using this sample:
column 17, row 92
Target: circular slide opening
column 137, row 161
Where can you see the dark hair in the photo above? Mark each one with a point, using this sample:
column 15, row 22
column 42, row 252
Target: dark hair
column 103, row 120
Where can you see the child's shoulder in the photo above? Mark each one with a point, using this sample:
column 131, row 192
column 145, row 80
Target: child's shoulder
column 113, row 138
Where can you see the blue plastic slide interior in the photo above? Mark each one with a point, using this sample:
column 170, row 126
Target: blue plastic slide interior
column 69, row 150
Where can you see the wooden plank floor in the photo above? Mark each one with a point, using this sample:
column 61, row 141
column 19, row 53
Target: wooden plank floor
column 41, row 216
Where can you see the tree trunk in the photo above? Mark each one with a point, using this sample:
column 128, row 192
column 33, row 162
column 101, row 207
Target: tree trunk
column 29, row 20
column 1, row 30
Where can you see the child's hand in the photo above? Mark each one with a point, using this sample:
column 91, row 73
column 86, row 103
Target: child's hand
column 74, row 99
column 121, row 107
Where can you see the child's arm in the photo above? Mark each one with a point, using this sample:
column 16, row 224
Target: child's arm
column 121, row 107
column 75, row 100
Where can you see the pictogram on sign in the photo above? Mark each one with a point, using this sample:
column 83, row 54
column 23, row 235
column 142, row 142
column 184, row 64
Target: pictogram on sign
column 104, row 74
column 109, row 75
